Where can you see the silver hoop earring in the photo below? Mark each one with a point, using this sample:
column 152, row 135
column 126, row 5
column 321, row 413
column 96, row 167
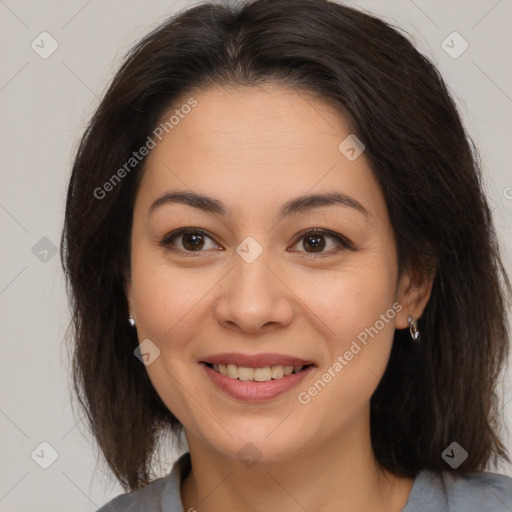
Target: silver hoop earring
column 131, row 321
column 413, row 328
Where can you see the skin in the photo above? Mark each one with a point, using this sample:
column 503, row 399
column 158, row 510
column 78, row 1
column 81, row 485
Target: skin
column 254, row 149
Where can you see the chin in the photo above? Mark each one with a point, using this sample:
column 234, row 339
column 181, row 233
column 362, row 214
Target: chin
column 255, row 447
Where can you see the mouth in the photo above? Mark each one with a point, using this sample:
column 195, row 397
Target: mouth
column 256, row 378
column 258, row 374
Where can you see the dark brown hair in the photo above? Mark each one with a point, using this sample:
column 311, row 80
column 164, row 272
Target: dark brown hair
column 432, row 394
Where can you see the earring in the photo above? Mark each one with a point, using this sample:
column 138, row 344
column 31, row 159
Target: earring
column 413, row 328
column 131, row 321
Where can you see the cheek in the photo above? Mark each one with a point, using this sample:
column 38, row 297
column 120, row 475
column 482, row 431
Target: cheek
column 350, row 299
column 161, row 294
column 166, row 305
column 168, row 301
column 357, row 310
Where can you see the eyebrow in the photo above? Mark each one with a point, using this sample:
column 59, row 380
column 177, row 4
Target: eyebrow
column 294, row 206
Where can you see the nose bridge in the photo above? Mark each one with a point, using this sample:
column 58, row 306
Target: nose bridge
column 251, row 270
column 252, row 295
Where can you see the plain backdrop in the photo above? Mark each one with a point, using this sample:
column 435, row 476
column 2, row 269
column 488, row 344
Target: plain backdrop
column 45, row 104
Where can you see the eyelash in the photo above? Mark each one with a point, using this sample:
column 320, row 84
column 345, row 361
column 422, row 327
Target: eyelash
column 344, row 242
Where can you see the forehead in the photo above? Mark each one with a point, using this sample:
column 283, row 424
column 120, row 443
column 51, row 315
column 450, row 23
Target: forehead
column 254, row 148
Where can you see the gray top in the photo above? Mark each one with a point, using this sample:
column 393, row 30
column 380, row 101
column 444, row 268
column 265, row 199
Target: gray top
column 431, row 492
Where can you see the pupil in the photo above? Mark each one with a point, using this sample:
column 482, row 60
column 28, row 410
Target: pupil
column 319, row 242
column 197, row 240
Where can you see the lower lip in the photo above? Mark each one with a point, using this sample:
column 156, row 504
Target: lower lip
column 252, row 391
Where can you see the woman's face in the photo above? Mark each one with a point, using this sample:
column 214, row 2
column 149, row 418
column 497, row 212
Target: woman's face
column 252, row 280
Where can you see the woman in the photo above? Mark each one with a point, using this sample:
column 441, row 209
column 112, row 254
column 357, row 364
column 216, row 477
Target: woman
column 277, row 243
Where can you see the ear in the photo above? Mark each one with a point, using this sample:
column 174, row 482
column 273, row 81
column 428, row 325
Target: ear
column 414, row 289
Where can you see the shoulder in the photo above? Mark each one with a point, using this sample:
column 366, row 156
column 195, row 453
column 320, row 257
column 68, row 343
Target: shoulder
column 450, row 492
column 147, row 498
column 489, row 492
column 162, row 494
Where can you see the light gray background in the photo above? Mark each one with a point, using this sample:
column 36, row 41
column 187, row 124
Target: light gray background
column 45, row 104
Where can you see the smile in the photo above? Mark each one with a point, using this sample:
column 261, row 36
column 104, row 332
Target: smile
column 255, row 385
column 263, row 374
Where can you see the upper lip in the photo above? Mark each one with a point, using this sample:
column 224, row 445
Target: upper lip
column 255, row 360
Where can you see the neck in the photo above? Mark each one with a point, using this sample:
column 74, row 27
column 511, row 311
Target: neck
column 341, row 474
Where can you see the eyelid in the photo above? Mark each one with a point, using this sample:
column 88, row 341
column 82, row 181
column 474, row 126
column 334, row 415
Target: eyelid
column 166, row 241
column 173, row 234
column 343, row 241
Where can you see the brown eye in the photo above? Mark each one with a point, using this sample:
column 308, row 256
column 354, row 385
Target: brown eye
column 192, row 241
column 189, row 240
column 315, row 241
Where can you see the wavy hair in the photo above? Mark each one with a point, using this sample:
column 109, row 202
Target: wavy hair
column 441, row 391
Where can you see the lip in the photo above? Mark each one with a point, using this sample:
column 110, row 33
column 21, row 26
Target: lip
column 252, row 391
column 255, row 360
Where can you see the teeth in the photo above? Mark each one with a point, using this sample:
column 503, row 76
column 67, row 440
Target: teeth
column 262, row 374
column 276, row 372
column 232, row 371
column 245, row 373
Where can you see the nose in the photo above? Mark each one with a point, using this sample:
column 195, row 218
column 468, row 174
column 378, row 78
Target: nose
column 254, row 297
